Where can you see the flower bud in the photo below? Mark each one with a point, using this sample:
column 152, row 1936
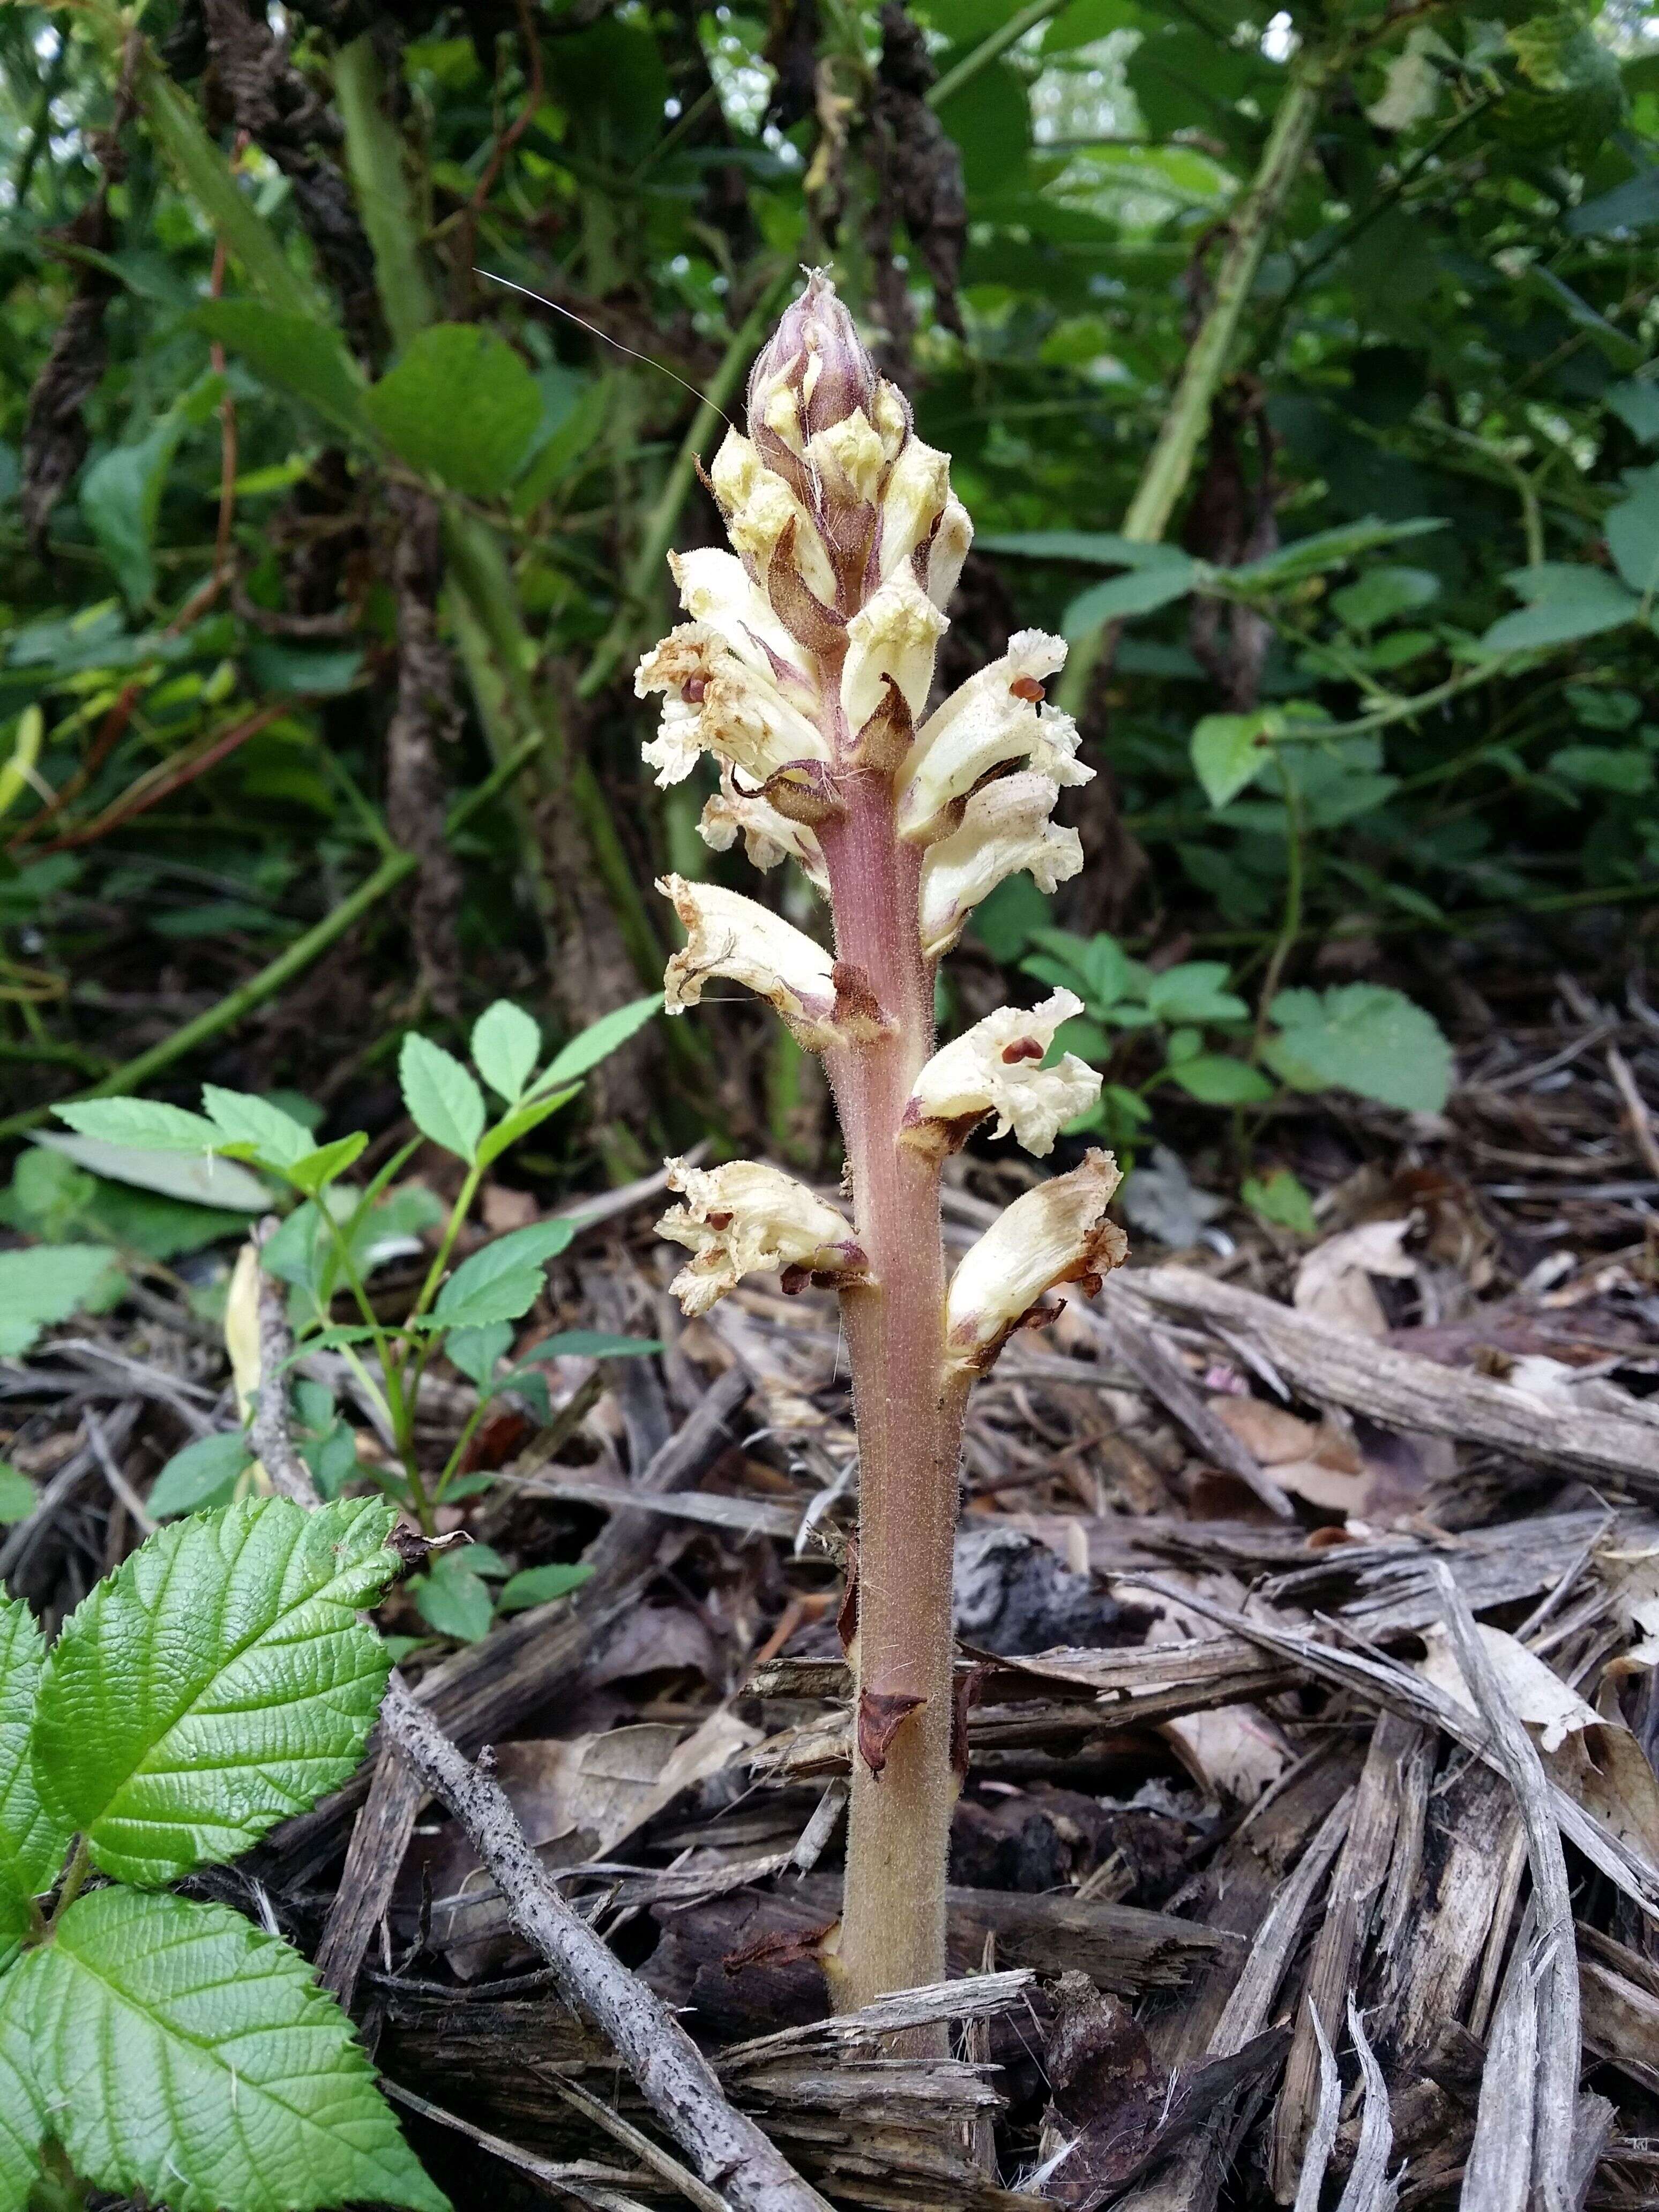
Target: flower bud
column 825, row 1001
column 1057, row 1233
column 812, row 372
column 746, row 1217
column 996, row 1067
column 993, row 718
column 896, row 633
column 1005, row 826
column 758, row 508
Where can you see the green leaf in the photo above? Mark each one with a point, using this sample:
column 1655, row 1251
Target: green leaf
column 491, row 1286
column 1626, row 769
column 1281, row 1198
column 459, row 406
column 597, row 1041
column 318, row 1169
column 203, row 1474
column 506, row 1046
column 296, row 354
column 1193, row 992
column 192, row 1178
column 1101, row 548
column 1324, row 549
column 22, row 2111
column 1381, row 595
column 274, row 1138
column 1633, row 206
column 537, row 1586
column 519, row 1121
column 1566, row 603
column 219, row 1681
column 1637, row 403
column 1219, row 1080
column 141, row 1124
column 588, row 1344
column 18, row 1496
column 444, row 1102
column 477, row 1351
column 189, row 2058
column 1229, row 750
column 47, row 1283
column 1633, row 534
column 1138, row 592
column 121, row 492
column 454, row 1599
column 32, row 1842
column 1366, row 1038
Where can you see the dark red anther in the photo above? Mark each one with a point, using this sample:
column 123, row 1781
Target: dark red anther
column 693, row 689
column 1021, row 1049
column 1027, row 687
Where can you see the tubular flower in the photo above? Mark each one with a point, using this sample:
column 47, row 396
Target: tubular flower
column 894, row 635
column 996, row 1067
column 768, row 835
column 823, row 1001
column 993, row 718
column 712, row 703
column 1005, row 826
column 745, row 1218
column 1057, row 1233
column 716, row 589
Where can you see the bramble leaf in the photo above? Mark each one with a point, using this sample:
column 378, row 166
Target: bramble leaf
column 22, row 2114
column 219, row 1681
column 190, row 2059
column 31, row 1843
column 504, row 1279
column 1361, row 1037
column 47, row 1283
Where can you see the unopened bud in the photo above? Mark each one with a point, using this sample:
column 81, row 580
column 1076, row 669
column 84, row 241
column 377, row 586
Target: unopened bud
column 813, row 371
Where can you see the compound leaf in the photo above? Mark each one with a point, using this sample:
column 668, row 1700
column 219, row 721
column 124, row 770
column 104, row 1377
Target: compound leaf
column 31, row 1842
column 444, row 1102
column 190, row 2059
column 1362, row 1037
column 219, row 1681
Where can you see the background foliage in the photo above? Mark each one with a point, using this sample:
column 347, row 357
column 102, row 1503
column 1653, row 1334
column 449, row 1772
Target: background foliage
column 1296, row 363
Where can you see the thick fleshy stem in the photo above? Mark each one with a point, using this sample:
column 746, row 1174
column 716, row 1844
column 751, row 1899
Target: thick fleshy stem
column 909, row 1427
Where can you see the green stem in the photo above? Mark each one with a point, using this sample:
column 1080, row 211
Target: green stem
column 74, row 1875
column 374, row 157
column 292, row 961
column 1291, row 926
column 1006, row 36
column 1170, row 462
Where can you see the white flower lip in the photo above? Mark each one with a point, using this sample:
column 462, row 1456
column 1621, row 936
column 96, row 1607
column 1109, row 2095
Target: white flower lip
column 994, row 718
column 896, row 633
column 1057, row 1233
column 717, row 589
column 996, row 1067
column 1005, row 826
column 824, row 1002
column 714, row 702
column 747, row 1217
column 768, row 837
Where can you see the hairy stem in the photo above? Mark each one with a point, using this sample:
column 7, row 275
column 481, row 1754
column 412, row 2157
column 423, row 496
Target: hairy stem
column 893, row 1924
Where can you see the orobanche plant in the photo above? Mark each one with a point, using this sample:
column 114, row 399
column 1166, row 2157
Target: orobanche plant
column 805, row 669
column 162, row 2046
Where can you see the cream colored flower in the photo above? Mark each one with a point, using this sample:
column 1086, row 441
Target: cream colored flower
column 824, row 1002
column 1005, row 826
column 717, row 589
column 913, row 503
column 758, row 506
column 767, row 836
column 746, row 1217
column 946, row 550
column 895, row 632
column 848, row 459
column 1057, row 1233
column 993, row 718
column 996, row 1067
column 714, row 702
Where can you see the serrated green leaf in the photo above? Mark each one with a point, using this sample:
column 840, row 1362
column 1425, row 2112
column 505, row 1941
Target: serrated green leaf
column 598, row 1041
column 1193, row 992
column 477, row 1351
column 453, row 1599
column 1565, row 602
column 483, row 1289
column 506, row 1046
column 1633, row 534
column 318, row 1169
column 444, row 1102
column 47, row 1283
column 1281, row 1198
column 460, row 406
column 190, row 2059
column 194, row 1178
column 219, row 1681
column 1229, row 751
column 1140, row 591
column 1365, row 1038
column 537, row 1586
column 18, row 1495
column 275, row 1139
column 142, row 1125
column 1219, row 1080
column 31, row 1842
column 22, row 2113
column 203, row 1475
column 518, row 1122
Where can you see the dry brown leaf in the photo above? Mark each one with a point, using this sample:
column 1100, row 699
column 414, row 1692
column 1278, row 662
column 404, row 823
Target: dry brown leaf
column 1334, row 1283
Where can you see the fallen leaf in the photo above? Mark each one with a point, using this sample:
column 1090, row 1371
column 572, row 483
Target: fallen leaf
column 1334, row 1283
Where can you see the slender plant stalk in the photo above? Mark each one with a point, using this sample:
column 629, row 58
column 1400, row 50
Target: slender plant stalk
column 805, row 672
column 1170, row 464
